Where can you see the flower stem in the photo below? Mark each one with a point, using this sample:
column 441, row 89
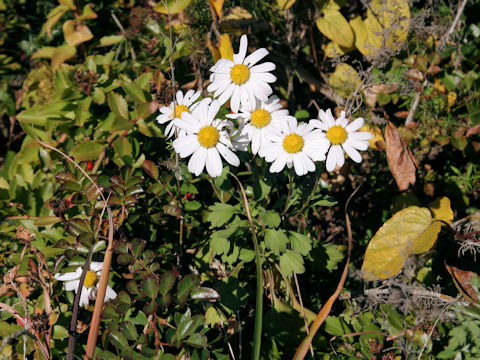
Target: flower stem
column 257, row 332
column 290, row 184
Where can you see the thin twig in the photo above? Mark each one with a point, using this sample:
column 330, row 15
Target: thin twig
column 290, row 185
column 119, row 24
column 303, row 311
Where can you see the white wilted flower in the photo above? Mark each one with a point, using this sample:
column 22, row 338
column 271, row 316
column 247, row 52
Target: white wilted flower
column 297, row 145
column 205, row 139
column 90, row 284
column 260, row 120
column 240, row 79
column 183, row 103
column 342, row 137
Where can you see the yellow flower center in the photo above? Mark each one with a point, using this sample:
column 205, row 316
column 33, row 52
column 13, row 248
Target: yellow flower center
column 208, row 136
column 337, row 135
column 90, row 279
column 293, row 143
column 179, row 109
column 240, row 74
column 260, row 118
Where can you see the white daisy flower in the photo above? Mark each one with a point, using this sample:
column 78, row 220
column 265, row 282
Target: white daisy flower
column 260, row 121
column 342, row 136
column 297, row 145
column 183, row 103
column 90, row 284
column 242, row 80
column 206, row 140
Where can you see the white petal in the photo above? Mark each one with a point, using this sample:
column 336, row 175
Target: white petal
column 331, row 161
column 72, row 285
column 110, row 294
column 242, row 51
column 362, row 135
column 186, row 145
column 298, row 165
column 84, row 297
column 179, row 97
column 235, row 100
column 213, row 111
column 67, row 276
column 227, row 94
column 279, row 163
column 197, row 161
column 354, row 125
column 96, row 266
column 265, row 67
column 214, row 162
column 354, row 154
column 256, row 56
column 262, row 89
column 188, row 122
column 228, row 155
column 267, row 77
column 327, row 117
column 358, row 144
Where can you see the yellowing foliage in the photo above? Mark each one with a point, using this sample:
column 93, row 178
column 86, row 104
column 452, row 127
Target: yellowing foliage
column 410, row 231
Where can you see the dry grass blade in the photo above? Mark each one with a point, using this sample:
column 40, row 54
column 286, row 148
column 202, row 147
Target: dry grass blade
column 325, row 310
column 102, row 289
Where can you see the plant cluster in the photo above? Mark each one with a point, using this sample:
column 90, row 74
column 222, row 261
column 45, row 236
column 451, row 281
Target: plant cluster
column 165, row 197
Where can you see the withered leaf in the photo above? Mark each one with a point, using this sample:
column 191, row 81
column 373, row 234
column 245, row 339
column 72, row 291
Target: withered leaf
column 462, row 280
column 400, row 160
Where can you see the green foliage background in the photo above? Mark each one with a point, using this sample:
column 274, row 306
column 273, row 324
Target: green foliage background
column 184, row 264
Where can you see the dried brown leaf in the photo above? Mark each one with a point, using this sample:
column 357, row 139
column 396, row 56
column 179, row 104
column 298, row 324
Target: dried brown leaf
column 399, row 158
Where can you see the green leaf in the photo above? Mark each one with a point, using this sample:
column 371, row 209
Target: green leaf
column 291, row 262
column 197, row 340
column 220, row 245
column 118, row 339
column 171, row 6
column 301, row 243
column 246, row 255
column 150, row 286
column 270, row 218
column 276, row 240
column 409, row 231
column 129, row 330
column 118, row 105
column 167, row 280
column 59, row 332
column 336, row 326
column 185, row 286
column 87, row 150
column 220, row 213
column 134, row 91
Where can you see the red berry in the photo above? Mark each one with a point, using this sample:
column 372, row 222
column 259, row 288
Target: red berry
column 89, row 165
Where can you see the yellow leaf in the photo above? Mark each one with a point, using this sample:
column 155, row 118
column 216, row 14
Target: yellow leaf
column 44, row 52
column 69, row 3
column 344, row 80
column 225, row 47
column 441, row 209
column 61, row 54
column 285, row 4
column 217, row 5
column 377, row 141
column 332, row 50
column 213, row 50
column 394, row 15
column 87, row 13
column 76, row 33
column 52, row 18
column 335, row 27
column 171, row 6
column 409, row 231
column 386, row 24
